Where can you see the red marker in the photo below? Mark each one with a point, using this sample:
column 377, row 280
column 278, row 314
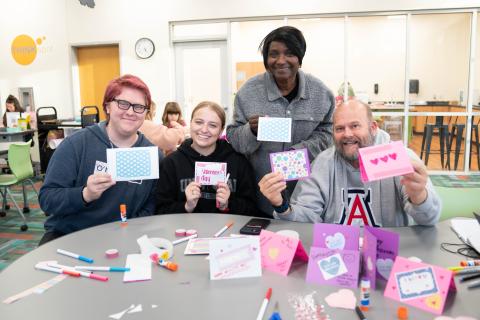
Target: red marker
column 263, row 308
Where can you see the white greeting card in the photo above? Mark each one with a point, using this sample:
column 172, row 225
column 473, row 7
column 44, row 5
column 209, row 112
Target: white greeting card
column 126, row 164
column 274, row 129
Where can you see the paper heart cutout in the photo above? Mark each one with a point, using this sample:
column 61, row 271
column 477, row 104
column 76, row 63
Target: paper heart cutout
column 393, row 156
column 384, row 266
column 374, row 161
column 369, row 264
column 457, row 318
column 434, row 301
column 331, row 265
column 384, row 159
column 273, row 253
column 414, row 259
column 337, row 241
column 343, row 298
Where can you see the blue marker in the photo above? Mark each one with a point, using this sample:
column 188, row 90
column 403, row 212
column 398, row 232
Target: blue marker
column 95, row 268
column 74, row 255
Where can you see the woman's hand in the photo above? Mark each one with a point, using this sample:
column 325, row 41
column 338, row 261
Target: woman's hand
column 192, row 193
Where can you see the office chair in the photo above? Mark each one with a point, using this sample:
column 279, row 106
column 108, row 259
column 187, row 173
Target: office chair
column 22, row 171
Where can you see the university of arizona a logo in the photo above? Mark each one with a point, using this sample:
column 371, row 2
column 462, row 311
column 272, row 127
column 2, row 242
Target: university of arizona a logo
column 358, row 210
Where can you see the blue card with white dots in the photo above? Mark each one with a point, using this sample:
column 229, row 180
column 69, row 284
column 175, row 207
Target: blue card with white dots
column 125, row 164
column 274, row 129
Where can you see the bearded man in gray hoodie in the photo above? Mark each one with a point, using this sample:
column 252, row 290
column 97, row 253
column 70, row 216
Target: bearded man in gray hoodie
column 334, row 193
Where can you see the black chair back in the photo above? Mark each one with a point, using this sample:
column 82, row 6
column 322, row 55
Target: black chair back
column 90, row 116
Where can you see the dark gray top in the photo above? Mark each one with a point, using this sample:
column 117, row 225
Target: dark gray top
column 189, row 293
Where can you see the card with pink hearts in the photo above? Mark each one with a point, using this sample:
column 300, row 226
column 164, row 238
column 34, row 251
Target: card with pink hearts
column 419, row 284
column 380, row 247
column 279, row 251
column 334, row 255
column 384, row 161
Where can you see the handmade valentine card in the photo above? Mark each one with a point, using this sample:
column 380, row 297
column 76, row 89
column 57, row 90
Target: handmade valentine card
column 293, row 164
column 278, row 251
column 232, row 258
column 380, row 247
column 210, row 173
column 334, row 255
column 383, row 161
column 274, row 129
column 419, row 284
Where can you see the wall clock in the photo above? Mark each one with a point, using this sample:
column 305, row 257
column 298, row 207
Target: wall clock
column 144, row 48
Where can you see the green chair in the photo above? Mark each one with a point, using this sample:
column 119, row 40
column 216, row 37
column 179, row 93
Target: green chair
column 20, row 164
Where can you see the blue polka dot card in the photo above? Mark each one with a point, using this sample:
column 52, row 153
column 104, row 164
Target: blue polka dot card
column 125, row 164
column 274, row 129
column 294, row 164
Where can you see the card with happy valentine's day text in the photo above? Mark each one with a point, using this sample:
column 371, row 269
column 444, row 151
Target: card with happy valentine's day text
column 383, row 161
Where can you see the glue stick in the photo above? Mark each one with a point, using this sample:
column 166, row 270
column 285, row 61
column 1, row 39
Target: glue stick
column 364, row 294
column 123, row 214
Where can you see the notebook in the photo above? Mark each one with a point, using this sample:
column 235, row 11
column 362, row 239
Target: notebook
column 468, row 230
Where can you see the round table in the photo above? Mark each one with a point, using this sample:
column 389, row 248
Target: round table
column 189, row 293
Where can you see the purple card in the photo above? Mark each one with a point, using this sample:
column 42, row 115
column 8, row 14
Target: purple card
column 369, row 258
column 387, row 250
column 335, row 236
column 294, row 164
column 333, row 267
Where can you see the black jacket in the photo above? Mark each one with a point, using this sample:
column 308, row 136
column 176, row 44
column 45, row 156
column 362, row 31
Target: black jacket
column 178, row 170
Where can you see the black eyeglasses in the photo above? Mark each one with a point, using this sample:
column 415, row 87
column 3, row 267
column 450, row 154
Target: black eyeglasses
column 125, row 105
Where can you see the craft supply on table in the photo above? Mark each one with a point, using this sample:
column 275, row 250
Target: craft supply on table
column 402, row 313
column 470, row 263
column 219, row 233
column 111, row 253
column 190, row 232
column 123, row 214
column 178, row 241
column 364, row 294
column 74, row 255
column 264, row 304
column 180, row 232
column 359, row 313
column 98, row 268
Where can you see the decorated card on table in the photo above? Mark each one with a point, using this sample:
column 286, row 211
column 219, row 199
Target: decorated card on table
column 274, row 129
column 234, row 257
column 210, row 173
column 383, row 161
column 278, row 251
column 125, row 164
column 419, row 284
column 334, row 256
column 293, row 164
column 380, row 247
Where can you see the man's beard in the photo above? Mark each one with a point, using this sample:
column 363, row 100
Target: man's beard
column 362, row 143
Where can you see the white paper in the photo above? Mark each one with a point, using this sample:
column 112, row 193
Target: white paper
column 12, row 119
column 140, row 268
column 100, row 167
column 232, row 258
column 274, row 129
column 126, row 164
column 200, row 245
column 210, row 173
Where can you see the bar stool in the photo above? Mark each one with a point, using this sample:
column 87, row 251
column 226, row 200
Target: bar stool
column 428, row 131
column 459, row 127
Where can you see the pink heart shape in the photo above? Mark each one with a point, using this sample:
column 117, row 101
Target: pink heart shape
column 393, row 156
column 374, row 161
column 384, row 159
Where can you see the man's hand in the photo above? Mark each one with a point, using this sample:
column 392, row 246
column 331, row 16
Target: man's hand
column 253, row 122
column 271, row 186
column 415, row 183
column 96, row 184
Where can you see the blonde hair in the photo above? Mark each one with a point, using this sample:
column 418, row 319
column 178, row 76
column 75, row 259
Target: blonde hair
column 171, row 108
column 214, row 107
column 151, row 112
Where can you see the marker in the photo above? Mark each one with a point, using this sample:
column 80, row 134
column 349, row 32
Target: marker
column 470, row 277
column 123, row 214
column 228, row 225
column 455, row 268
column 470, row 263
column 94, row 268
column 359, row 313
column 184, row 239
column 40, row 266
column 90, row 275
column 172, row 266
column 467, row 270
column 264, row 304
column 74, row 255
column 217, row 204
column 364, row 294
column 474, row 285
column 276, row 313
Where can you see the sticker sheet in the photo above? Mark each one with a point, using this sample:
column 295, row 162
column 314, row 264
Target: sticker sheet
column 294, row 164
column 125, row 164
column 274, row 129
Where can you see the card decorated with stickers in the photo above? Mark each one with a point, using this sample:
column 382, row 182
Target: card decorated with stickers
column 125, row 164
column 278, row 251
column 420, row 285
column 334, row 256
column 384, row 161
column 274, row 129
column 293, row 164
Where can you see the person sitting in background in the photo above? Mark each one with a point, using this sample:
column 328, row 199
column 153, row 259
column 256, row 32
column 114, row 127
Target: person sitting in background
column 76, row 197
column 172, row 114
column 11, row 105
column 334, row 193
column 177, row 190
column 165, row 138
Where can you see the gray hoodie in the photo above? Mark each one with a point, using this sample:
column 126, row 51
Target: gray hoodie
column 334, row 193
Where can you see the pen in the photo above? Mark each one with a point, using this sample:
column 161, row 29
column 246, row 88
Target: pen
column 264, row 304
column 184, row 239
column 74, row 255
column 474, row 285
column 94, row 268
column 467, row 270
column 228, row 225
column 40, row 266
column 470, row 277
column 276, row 313
column 360, row 314
column 82, row 273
